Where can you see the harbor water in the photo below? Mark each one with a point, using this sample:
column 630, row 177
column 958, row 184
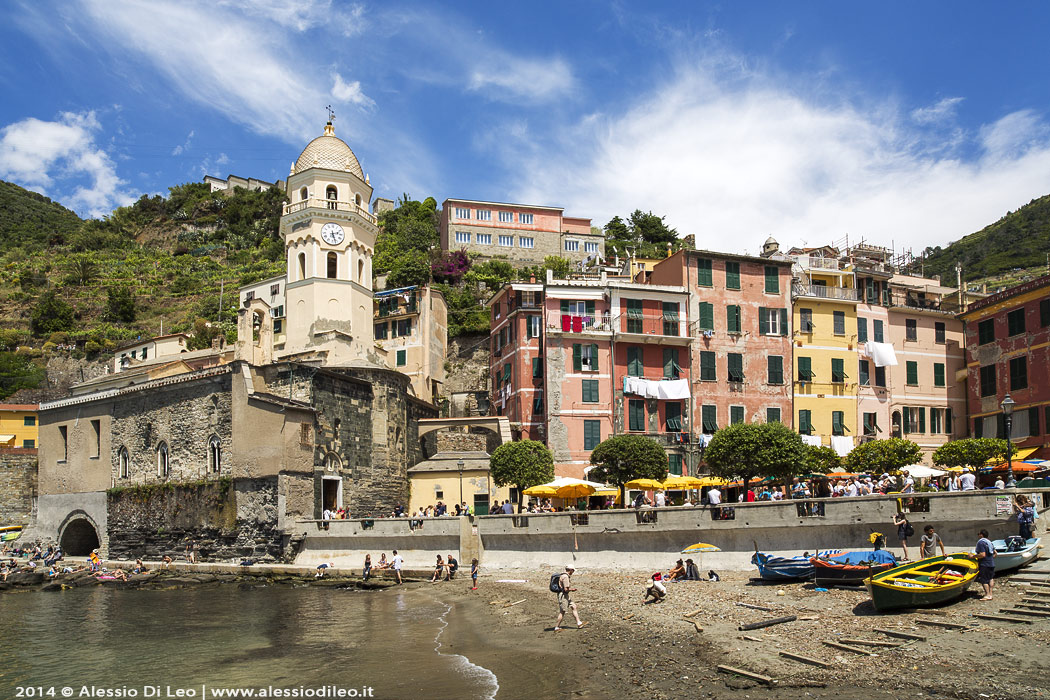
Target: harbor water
column 317, row 642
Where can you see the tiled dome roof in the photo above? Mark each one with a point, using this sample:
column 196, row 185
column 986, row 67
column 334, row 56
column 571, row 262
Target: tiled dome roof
column 329, row 152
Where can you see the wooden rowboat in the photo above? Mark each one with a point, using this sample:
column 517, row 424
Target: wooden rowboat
column 776, row 568
column 923, row 583
column 1008, row 558
column 850, row 568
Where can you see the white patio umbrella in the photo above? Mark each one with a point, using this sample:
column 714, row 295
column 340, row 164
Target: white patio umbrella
column 921, row 471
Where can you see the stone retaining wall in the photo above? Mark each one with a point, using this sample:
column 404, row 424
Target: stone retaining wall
column 18, row 485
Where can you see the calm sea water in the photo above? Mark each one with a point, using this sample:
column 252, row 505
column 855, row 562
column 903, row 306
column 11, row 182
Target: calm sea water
column 291, row 638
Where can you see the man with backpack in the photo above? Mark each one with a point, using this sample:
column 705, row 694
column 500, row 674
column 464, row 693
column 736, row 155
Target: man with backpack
column 562, row 585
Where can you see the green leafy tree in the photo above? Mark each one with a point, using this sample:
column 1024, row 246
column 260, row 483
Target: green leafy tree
column 18, row 372
column 650, row 228
column 822, row 459
column 879, row 456
column 748, row 450
column 491, row 273
column 412, row 267
column 523, row 464
column 203, row 334
column 82, row 270
column 971, row 453
column 617, row 230
column 51, row 314
column 411, row 227
column 120, row 305
column 622, row 458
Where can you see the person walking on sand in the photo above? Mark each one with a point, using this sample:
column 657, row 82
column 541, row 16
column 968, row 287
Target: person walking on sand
column 395, row 563
column 474, row 574
column 929, row 542
column 903, row 528
column 565, row 602
column 985, row 564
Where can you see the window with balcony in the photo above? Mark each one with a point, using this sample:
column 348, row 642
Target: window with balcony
column 590, row 247
column 772, row 415
column 506, row 217
column 805, row 369
column 838, row 370
column 577, row 315
column 506, row 241
column 592, row 434
column 840, row 322
column 988, row 387
column 590, row 390
column 706, row 322
column 862, row 374
column 635, row 367
column 1018, row 373
column 484, row 215
column 986, row 331
column 938, row 332
column 672, row 370
column 862, row 330
column 526, row 242
column 708, row 419
column 772, row 279
column 635, row 316
column 704, row 277
column 636, row 415
column 805, row 422
column 732, row 275
column 938, row 374
column 462, row 213
column 805, row 320
column 673, row 417
column 838, row 425
column 735, row 362
column 775, row 369
column 1015, row 322
column 911, row 329
column 707, row 366
column 524, row 218
column 736, row 415
column 484, row 239
column 585, row 357
column 912, row 373
column 670, row 318
column 733, row 318
column 876, row 328
column 462, row 237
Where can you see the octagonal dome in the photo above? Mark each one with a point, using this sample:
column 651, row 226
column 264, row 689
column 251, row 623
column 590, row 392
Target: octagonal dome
column 329, row 152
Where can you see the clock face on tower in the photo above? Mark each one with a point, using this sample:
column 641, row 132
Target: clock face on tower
column 332, row 233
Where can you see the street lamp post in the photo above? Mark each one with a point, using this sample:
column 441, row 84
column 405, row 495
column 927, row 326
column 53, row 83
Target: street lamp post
column 1008, row 410
column 460, row 465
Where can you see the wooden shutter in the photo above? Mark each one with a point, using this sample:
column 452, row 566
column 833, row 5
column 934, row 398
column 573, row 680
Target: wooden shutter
column 805, row 369
column 772, row 279
column 938, row 374
column 862, row 330
column 707, row 366
column 577, row 357
column 763, row 320
column 707, row 316
column 922, row 419
column 783, row 322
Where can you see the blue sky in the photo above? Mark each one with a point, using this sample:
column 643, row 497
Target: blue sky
column 905, row 124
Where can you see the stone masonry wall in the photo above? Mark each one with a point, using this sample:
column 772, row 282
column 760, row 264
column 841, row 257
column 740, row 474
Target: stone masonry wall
column 224, row 520
column 450, row 441
column 18, row 485
column 467, row 366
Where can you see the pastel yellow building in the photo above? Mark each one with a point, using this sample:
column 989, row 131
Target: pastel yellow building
column 456, row 477
column 825, row 353
column 18, row 425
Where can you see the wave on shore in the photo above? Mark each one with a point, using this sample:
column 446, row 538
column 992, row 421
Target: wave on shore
column 479, row 674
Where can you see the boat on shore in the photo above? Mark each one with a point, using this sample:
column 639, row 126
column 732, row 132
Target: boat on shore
column 923, row 583
column 9, row 533
column 1013, row 553
column 850, row 568
column 777, row 568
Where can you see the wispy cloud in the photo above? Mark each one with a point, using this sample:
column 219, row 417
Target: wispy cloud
column 936, row 113
column 350, row 92
column 734, row 156
column 182, row 147
column 61, row 159
column 509, row 77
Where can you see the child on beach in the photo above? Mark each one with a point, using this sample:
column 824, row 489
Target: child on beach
column 474, row 574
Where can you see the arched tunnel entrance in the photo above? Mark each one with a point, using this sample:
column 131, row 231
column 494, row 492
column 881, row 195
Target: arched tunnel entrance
column 79, row 538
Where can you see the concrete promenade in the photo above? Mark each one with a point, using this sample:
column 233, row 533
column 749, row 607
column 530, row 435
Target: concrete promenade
column 652, row 538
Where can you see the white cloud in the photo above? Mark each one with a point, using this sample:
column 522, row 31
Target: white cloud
column 513, row 76
column 51, row 157
column 734, row 157
column 350, row 92
column 181, row 148
column 935, row 114
column 302, row 15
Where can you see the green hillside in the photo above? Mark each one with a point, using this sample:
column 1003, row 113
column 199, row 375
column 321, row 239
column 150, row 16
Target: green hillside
column 1021, row 239
column 32, row 221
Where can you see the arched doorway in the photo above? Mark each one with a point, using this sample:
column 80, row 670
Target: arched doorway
column 79, row 538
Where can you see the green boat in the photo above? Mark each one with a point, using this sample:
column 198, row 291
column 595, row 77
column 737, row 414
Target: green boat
column 923, row 583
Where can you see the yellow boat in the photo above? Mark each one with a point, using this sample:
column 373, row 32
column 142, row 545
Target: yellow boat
column 923, row 583
column 10, row 532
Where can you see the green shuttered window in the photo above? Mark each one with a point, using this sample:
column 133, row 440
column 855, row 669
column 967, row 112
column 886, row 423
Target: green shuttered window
column 732, row 275
column 703, row 272
column 733, row 318
column 772, row 279
column 707, row 316
column 912, row 371
column 707, row 366
column 708, row 420
column 938, row 374
column 636, row 417
column 775, row 369
column 635, row 368
column 592, row 434
column 590, row 391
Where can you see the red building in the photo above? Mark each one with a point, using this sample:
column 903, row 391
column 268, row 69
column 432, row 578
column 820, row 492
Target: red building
column 1008, row 352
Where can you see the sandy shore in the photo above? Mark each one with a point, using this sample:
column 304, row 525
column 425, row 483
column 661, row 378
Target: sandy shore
column 632, row 650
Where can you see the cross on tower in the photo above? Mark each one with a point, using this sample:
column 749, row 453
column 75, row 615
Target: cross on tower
column 331, row 114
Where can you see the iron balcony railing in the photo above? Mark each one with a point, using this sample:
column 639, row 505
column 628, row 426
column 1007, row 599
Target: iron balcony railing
column 820, row 291
column 575, row 323
column 665, row 324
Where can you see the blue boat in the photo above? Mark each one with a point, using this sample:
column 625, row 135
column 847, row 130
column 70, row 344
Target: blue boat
column 776, row 568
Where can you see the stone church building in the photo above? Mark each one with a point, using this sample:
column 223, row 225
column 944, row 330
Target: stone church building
column 225, row 448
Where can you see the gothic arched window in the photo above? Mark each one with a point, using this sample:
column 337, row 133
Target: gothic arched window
column 163, row 465
column 124, row 463
column 214, row 454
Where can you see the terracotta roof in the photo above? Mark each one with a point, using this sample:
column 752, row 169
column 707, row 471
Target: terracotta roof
column 18, row 406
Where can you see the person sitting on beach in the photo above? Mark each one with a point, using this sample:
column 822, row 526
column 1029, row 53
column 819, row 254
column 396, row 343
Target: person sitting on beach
column 656, row 589
column 368, row 567
column 140, row 568
column 438, row 570
column 677, row 571
column 166, row 560
column 691, row 572
column 453, row 566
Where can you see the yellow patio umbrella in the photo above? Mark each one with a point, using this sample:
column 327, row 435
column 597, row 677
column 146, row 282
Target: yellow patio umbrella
column 607, row 491
column 700, row 547
column 678, row 483
column 575, row 491
column 541, row 490
column 712, row 481
column 957, row 470
column 644, row 484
